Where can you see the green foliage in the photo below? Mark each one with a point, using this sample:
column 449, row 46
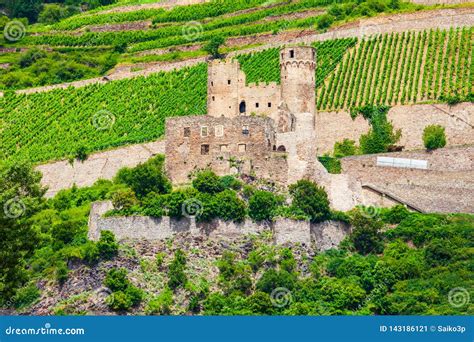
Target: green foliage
column 230, row 182
column 124, row 295
column 124, row 199
column 161, row 304
column 116, row 279
column 345, row 148
column 311, row 199
column 230, row 207
column 381, row 136
column 107, row 246
column 145, row 178
column 366, row 235
column 395, row 214
column 177, row 277
column 207, row 181
column 333, row 165
column 26, row 296
column 20, row 198
column 325, row 21
column 273, row 279
column 262, row 205
column 434, row 137
column 213, row 45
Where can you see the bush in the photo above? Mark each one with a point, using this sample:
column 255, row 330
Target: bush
column 345, row 148
column 208, row 182
column 146, row 178
column 116, row 279
column 177, row 277
column 396, row 214
column 310, row 199
column 325, row 21
column 230, row 207
column 272, row 279
column 66, row 231
column 262, row 205
column 161, row 304
column 333, row 165
column 366, row 235
column 107, row 246
column 119, row 301
column 229, row 182
column 62, row 272
column 434, row 137
column 26, row 296
column 212, row 46
column 123, row 199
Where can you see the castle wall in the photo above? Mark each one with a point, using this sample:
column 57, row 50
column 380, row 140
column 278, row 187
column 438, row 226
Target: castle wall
column 261, row 99
column 447, row 185
column 458, row 121
column 325, row 235
column 240, row 145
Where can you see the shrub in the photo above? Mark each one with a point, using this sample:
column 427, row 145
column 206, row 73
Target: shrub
column 439, row 252
column 333, row 165
column 123, row 199
column 272, row 279
column 81, row 153
column 310, row 199
column 262, row 205
column 66, row 231
column 212, row 46
column 229, row 182
column 146, row 178
column 434, row 137
column 208, row 182
column 119, row 301
column 26, row 296
column 325, row 21
column 366, row 235
column 161, row 304
column 396, row 214
column 345, row 148
column 177, row 277
column 107, row 246
column 260, row 303
column 62, row 272
column 230, row 207
column 116, row 279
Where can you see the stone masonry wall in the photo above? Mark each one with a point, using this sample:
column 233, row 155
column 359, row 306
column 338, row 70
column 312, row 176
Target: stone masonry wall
column 458, row 121
column 103, row 165
column 325, row 235
column 447, row 185
column 240, row 145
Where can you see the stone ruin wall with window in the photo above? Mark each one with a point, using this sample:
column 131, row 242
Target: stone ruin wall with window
column 241, row 145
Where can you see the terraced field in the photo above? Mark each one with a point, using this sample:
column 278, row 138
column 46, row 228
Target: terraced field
column 402, row 68
column 396, row 68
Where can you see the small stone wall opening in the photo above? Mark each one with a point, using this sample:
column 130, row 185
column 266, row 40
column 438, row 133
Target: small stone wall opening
column 281, row 148
column 242, row 107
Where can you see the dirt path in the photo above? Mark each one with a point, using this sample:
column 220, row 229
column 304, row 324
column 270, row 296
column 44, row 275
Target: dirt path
column 418, row 21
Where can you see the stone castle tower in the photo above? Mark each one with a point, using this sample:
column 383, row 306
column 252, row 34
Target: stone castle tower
column 229, row 95
column 297, row 67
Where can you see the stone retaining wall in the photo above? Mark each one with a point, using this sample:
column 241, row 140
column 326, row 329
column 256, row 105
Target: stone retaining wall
column 325, row 235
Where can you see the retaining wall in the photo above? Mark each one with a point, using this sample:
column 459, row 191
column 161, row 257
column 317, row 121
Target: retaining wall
column 325, row 235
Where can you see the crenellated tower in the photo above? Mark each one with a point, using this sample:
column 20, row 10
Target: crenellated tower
column 298, row 82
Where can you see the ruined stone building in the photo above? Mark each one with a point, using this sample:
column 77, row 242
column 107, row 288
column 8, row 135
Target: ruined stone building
column 263, row 130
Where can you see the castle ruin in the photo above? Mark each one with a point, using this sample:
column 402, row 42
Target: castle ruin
column 265, row 130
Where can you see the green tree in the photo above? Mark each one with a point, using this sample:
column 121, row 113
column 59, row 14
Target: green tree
column 434, row 137
column 146, row 178
column 213, row 45
column 23, row 9
column 21, row 197
column 230, row 207
column 207, row 181
column 107, row 246
column 124, row 199
column 311, row 199
column 366, row 235
column 262, row 205
column 176, row 274
column 345, row 148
